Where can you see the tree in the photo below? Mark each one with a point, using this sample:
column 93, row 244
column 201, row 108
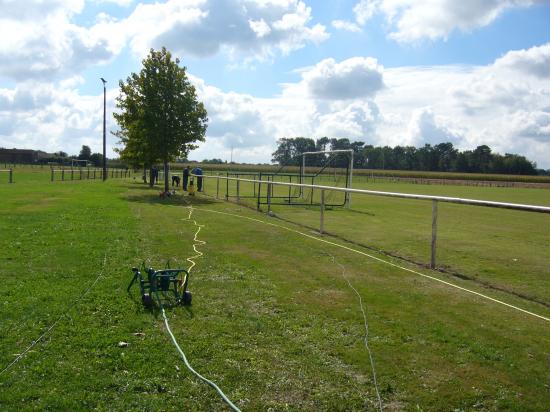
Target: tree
column 96, row 159
column 85, row 153
column 289, row 150
column 482, row 158
column 160, row 116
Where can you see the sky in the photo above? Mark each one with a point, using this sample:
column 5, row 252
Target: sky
column 384, row 72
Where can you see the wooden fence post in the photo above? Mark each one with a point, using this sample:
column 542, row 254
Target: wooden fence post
column 434, row 233
column 322, row 222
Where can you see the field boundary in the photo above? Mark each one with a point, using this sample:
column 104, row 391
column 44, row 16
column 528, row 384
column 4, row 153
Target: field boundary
column 395, row 265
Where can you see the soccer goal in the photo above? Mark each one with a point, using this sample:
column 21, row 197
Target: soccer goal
column 327, row 168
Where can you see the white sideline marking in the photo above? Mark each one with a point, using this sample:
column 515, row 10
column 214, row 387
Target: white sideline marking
column 382, row 261
column 366, row 324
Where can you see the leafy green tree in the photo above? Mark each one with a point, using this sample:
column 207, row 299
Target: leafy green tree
column 160, row 116
column 289, row 150
column 96, row 159
column 85, row 153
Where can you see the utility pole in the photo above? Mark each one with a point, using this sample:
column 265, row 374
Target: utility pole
column 104, row 139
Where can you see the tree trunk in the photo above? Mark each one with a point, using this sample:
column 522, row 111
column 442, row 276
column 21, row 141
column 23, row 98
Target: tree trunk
column 166, row 188
column 151, row 177
column 144, row 174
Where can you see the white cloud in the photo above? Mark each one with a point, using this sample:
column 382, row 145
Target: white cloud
column 532, row 124
column 424, row 127
column 260, row 27
column 364, row 10
column 241, row 28
column 346, row 25
column 234, row 119
column 414, row 20
column 41, row 40
column 356, row 121
column 38, row 40
column 534, row 61
column 53, row 117
column 352, row 78
column 497, row 105
column 123, row 3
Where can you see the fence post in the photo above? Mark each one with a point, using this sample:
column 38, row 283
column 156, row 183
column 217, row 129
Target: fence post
column 322, row 222
column 72, row 174
column 88, row 175
column 269, row 197
column 52, row 174
column 434, row 232
column 11, row 175
column 227, row 187
column 218, row 186
column 63, row 175
column 238, row 190
column 259, row 192
column 289, row 189
column 80, row 170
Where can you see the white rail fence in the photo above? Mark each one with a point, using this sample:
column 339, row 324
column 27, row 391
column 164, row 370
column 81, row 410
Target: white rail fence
column 434, row 199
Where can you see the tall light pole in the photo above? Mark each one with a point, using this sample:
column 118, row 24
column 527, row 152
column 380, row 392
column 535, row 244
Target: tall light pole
column 104, row 140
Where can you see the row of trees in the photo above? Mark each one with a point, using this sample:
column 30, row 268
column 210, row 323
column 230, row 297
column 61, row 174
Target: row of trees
column 96, row 159
column 443, row 157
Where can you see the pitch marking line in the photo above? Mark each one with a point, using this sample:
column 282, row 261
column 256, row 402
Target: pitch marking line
column 381, row 260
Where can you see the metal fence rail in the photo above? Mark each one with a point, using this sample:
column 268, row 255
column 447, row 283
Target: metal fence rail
column 88, row 174
column 433, row 199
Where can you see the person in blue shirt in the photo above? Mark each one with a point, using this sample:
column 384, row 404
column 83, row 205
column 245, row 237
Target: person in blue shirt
column 198, row 171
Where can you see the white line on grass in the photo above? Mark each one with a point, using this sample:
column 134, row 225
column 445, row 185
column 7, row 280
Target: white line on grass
column 34, row 342
column 366, row 340
column 380, row 260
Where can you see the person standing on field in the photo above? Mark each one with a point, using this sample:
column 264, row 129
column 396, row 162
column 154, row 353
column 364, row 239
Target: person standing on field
column 185, row 178
column 198, row 172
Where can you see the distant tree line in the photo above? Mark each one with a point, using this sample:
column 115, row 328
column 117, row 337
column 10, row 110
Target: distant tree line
column 96, row 159
column 214, row 161
column 442, row 157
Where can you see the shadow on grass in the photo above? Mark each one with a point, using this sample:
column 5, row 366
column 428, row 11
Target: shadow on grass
column 169, row 304
column 152, row 197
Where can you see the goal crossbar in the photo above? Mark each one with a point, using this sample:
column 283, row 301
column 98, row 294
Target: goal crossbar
column 349, row 176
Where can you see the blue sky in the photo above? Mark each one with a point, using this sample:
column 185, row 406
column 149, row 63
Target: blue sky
column 379, row 71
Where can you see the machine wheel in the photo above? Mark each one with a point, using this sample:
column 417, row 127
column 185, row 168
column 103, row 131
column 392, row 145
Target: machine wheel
column 187, row 297
column 147, row 301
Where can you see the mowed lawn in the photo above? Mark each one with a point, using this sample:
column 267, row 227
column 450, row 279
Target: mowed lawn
column 273, row 322
column 505, row 249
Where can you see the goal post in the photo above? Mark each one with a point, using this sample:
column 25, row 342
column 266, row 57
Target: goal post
column 349, row 176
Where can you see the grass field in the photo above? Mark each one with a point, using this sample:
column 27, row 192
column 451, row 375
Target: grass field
column 274, row 321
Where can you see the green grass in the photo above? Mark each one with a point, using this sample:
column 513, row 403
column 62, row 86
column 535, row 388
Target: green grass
column 273, row 322
column 505, row 249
